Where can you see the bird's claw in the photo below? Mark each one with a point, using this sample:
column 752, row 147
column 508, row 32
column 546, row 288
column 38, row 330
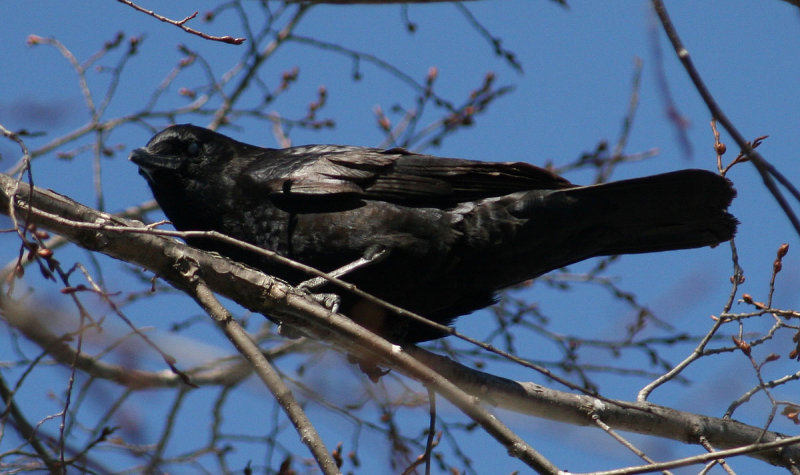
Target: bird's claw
column 329, row 301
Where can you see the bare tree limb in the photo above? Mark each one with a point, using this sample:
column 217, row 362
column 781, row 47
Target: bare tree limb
column 257, row 60
column 642, row 417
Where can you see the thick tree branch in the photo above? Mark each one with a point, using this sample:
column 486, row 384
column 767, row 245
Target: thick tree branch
column 642, row 417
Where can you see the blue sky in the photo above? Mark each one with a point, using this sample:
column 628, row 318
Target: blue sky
column 578, row 65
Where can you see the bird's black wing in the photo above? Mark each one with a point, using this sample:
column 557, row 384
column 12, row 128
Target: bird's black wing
column 393, row 175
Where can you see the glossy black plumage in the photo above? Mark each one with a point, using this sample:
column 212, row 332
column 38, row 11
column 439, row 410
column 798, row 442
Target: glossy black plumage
column 456, row 231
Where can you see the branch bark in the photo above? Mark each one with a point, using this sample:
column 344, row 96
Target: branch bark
column 640, row 417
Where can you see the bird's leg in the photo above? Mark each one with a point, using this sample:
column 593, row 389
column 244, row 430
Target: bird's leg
column 373, row 255
column 331, row 301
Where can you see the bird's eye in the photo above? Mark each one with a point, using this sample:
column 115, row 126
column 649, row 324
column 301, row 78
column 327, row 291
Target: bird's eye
column 193, row 149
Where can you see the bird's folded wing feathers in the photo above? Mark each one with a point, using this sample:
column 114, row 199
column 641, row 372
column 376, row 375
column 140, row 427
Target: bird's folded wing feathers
column 399, row 176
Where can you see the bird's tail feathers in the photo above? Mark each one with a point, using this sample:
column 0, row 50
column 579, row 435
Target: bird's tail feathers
column 678, row 210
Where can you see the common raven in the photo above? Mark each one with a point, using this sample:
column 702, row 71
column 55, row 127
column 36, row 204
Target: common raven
column 453, row 232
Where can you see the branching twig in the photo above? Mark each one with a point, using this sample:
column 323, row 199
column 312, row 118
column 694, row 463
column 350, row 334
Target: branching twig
column 627, row 444
column 182, row 24
column 253, row 66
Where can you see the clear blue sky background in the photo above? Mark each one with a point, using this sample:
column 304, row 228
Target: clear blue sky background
column 578, row 64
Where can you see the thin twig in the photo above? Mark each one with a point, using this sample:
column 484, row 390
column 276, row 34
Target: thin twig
column 627, row 444
column 182, row 24
column 684, row 462
column 254, row 65
column 431, row 431
column 704, row 442
column 699, row 350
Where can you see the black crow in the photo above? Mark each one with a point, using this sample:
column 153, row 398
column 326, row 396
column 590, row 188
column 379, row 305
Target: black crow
column 452, row 232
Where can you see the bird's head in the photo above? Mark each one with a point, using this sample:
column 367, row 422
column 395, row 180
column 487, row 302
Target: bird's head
column 192, row 172
column 184, row 151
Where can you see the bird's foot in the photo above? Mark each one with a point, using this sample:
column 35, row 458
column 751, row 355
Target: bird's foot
column 329, row 301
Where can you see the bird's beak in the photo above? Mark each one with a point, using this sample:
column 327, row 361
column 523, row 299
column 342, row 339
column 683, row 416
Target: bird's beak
column 150, row 162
